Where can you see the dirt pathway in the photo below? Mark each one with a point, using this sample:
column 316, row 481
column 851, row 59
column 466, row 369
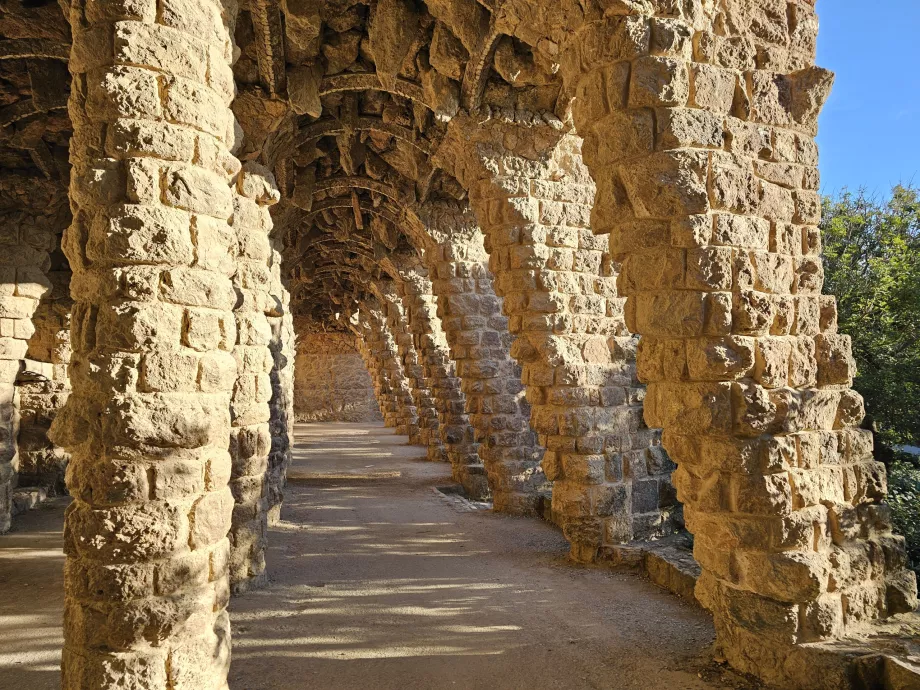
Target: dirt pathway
column 378, row 582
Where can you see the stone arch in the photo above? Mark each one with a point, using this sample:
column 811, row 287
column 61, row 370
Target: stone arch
column 532, row 194
column 699, row 124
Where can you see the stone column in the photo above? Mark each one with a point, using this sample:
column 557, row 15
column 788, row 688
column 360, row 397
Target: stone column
column 699, row 131
column 391, row 383
column 26, row 238
column 440, row 373
column 414, row 372
column 44, row 386
column 281, row 405
column 479, row 341
column 532, row 195
column 251, row 436
column 373, row 366
column 148, row 422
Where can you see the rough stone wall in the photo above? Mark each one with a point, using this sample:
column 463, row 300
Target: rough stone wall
column 44, row 386
column 439, row 371
column 477, row 333
column 148, row 421
column 532, row 195
column 390, row 384
column 26, row 237
column 281, row 405
column 331, row 383
column 421, row 396
column 699, row 123
column 250, row 414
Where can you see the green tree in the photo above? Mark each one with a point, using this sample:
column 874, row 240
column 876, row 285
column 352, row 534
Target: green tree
column 872, row 265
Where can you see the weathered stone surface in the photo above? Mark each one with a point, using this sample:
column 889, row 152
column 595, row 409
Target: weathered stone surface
column 331, row 383
column 491, row 202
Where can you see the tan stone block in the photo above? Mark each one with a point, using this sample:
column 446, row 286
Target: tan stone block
column 139, row 531
column 613, row 40
column 753, row 313
column 102, row 183
column 689, row 408
column 138, row 326
column 149, row 234
column 210, row 518
column 216, row 244
column 160, row 140
column 143, row 181
column 169, row 372
column 183, row 573
column 791, row 576
column 114, row 582
column 175, row 420
column 659, row 81
column 713, row 88
column 811, row 487
column 807, row 315
column 202, row 20
column 741, row 231
column 190, row 103
column 178, row 479
column 120, row 91
column 198, row 190
column 709, row 268
column 197, row 288
column 670, row 314
column 202, row 329
column 688, row 128
column 161, row 48
column 17, row 307
column 809, row 278
column 772, row 362
column 720, row 359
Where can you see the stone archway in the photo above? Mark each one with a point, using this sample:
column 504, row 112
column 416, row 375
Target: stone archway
column 697, row 120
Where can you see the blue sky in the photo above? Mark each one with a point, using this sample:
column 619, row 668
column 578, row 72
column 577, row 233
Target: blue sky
column 870, row 128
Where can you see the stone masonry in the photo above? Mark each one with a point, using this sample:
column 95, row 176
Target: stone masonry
column 331, row 381
column 570, row 247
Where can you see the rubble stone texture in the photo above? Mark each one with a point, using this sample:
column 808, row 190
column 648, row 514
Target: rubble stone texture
column 251, row 436
column 391, row 386
column 44, row 387
column 148, row 423
column 331, row 383
column 426, row 413
column 517, row 214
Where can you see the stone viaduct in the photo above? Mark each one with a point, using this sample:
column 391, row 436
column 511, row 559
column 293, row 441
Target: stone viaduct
column 574, row 243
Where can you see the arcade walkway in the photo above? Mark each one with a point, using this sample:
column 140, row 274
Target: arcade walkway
column 379, row 582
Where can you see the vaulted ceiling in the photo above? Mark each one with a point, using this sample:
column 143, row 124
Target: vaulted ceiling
column 368, row 89
column 346, row 101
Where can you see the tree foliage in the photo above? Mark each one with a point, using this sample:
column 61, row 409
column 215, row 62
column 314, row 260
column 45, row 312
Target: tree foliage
column 872, row 265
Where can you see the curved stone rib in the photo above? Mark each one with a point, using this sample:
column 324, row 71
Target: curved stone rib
column 391, row 214
column 331, row 127
column 21, row 48
column 361, row 182
column 364, row 81
column 477, row 70
column 23, row 109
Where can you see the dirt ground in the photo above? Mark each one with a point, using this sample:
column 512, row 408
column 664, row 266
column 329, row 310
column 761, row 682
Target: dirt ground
column 379, row 582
